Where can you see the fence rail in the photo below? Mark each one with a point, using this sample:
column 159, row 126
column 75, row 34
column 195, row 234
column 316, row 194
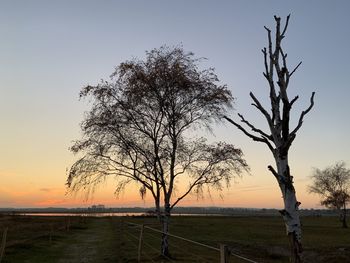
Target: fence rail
column 225, row 251
column 145, row 239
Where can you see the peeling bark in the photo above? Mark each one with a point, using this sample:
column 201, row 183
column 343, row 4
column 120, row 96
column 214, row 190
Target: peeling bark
column 280, row 137
column 290, row 213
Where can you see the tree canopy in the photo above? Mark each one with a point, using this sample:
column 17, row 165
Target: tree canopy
column 142, row 125
column 333, row 185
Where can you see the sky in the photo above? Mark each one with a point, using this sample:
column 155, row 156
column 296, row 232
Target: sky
column 49, row 50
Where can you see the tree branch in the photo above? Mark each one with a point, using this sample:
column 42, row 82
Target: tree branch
column 293, row 100
column 261, row 108
column 255, row 138
column 253, row 127
column 266, row 73
column 285, row 26
column 300, row 122
column 273, row 171
column 270, row 52
column 295, row 69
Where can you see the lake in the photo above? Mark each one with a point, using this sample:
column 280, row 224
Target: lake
column 110, row 214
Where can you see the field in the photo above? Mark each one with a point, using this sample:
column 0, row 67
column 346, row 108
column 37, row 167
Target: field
column 116, row 239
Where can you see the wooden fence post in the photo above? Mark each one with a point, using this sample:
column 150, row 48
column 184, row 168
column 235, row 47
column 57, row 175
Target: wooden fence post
column 51, row 233
column 68, row 224
column 140, row 243
column 3, row 244
column 224, row 253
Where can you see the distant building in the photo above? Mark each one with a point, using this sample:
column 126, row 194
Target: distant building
column 97, row 207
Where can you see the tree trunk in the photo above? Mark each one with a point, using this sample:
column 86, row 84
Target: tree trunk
column 158, row 212
column 345, row 225
column 165, row 225
column 290, row 212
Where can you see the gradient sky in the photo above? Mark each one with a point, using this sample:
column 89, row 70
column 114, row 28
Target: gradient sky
column 50, row 49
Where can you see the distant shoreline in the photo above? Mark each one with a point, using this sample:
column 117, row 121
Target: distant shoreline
column 138, row 211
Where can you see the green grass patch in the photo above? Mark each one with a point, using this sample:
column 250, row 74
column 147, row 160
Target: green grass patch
column 106, row 240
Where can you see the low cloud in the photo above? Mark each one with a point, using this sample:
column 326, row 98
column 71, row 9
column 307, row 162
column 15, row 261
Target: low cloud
column 50, row 202
column 47, row 190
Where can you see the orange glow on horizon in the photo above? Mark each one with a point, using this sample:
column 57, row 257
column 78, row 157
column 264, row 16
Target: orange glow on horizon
column 270, row 198
column 250, row 191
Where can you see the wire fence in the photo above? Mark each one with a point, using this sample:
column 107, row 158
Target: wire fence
column 19, row 230
column 142, row 240
column 146, row 240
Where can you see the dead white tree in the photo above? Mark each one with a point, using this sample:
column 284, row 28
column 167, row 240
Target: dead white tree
column 280, row 136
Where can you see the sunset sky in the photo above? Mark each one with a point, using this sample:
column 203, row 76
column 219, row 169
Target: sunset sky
column 50, row 49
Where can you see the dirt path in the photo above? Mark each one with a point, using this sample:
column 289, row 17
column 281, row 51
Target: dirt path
column 100, row 242
column 97, row 240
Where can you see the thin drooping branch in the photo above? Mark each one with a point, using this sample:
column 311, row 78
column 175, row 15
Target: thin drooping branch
column 137, row 126
column 217, row 162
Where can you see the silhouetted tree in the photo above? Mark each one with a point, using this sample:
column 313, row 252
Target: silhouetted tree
column 280, row 136
column 333, row 185
column 141, row 127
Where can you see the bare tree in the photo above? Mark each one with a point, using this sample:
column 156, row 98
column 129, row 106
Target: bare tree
column 280, row 136
column 141, row 126
column 333, row 185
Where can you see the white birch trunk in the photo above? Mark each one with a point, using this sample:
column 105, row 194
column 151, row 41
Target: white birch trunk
column 279, row 141
column 290, row 212
column 165, row 226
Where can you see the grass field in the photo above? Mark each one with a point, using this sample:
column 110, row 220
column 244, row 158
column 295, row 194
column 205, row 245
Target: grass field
column 106, row 240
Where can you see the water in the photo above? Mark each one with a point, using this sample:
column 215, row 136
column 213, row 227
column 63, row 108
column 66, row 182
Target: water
column 83, row 214
column 109, row 214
